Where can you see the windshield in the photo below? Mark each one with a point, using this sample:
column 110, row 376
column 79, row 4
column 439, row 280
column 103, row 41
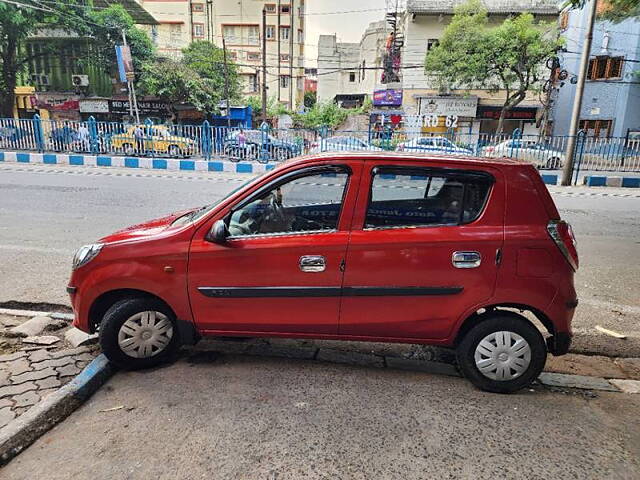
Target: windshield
column 199, row 213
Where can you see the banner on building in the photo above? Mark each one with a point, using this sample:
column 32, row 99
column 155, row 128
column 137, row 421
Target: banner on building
column 125, row 63
column 490, row 112
column 387, row 98
column 94, row 106
column 448, row 106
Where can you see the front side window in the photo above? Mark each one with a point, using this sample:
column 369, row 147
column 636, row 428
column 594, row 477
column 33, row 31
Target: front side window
column 423, row 197
column 304, row 204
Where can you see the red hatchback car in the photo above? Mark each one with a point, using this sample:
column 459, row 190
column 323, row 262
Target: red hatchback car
column 370, row 247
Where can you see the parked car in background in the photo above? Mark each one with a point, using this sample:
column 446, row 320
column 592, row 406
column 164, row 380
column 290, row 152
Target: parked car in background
column 254, row 143
column 147, row 139
column 380, row 247
column 342, row 143
column 539, row 154
column 433, row 145
column 608, row 154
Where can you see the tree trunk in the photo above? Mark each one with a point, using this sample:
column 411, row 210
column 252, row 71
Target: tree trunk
column 503, row 113
column 9, row 74
column 511, row 102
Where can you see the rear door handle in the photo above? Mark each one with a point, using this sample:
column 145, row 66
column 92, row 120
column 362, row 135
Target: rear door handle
column 466, row 259
column 312, row 263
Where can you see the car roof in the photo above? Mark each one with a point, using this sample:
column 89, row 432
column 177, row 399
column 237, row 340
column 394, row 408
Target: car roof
column 399, row 156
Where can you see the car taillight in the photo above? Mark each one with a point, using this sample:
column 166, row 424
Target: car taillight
column 490, row 149
column 314, row 145
column 562, row 234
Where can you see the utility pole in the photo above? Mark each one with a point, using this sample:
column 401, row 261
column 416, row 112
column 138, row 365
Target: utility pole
column 567, row 172
column 226, row 80
column 279, row 51
column 264, row 64
column 133, row 101
column 291, row 25
column 210, row 32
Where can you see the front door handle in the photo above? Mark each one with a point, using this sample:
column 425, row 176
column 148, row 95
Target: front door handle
column 312, row 263
column 466, row 259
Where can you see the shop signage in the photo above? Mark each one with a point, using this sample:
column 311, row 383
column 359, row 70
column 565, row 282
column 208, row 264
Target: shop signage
column 448, row 106
column 146, row 107
column 94, row 106
column 488, row 112
column 387, row 98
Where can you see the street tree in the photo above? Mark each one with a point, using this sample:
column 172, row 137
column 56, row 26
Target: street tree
column 196, row 79
column 310, row 99
column 107, row 26
column 614, row 10
column 508, row 57
column 17, row 23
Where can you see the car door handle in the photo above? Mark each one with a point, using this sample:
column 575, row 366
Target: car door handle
column 312, row 263
column 466, row 259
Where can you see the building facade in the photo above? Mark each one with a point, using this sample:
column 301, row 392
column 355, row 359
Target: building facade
column 181, row 22
column 611, row 100
column 422, row 25
column 349, row 72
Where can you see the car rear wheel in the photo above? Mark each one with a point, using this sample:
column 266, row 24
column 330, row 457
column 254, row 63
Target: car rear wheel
column 554, row 163
column 174, row 151
column 502, row 354
column 128, row 149
column 138, row 333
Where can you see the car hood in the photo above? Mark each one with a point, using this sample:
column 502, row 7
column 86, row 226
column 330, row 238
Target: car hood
column 145, row 229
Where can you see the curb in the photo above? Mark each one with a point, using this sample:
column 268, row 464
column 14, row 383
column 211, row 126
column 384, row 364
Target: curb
column 171, row 164
column 597, row 181
column 28, row 427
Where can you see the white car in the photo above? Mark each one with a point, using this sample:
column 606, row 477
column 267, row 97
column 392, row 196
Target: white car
column 541, row 155
column 342, row 143
column 433, row 145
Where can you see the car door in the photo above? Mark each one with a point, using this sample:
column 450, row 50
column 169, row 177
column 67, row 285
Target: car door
column 280, row 270
column 423, row 250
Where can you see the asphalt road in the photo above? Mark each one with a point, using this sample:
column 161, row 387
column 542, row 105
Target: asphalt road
column 46, row 212
column 249, row 418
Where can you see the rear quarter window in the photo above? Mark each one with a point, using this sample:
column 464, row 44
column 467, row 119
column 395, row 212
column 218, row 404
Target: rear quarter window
column 404, row 198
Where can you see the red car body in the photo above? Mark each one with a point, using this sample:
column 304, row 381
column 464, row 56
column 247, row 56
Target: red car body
column 391, row 285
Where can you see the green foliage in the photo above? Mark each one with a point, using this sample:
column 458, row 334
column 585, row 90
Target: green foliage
column 310, row 99
column 614, row 10
column 320, row 114
column 509, row 56
column 16, row 24
column 208, row 61
column 274, row 108
column 197, row 79
column 106, row 31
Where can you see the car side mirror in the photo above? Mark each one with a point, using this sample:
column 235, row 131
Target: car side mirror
column 218, row 233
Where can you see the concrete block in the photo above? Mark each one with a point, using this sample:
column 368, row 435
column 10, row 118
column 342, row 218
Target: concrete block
column 79, row 338
column 576, row 381
column 587, row 365
column 31, row 328
column 595, row 181
column 550, row 179
column 630, row 366
column 627, row 386
column 614, row 181
column 631, row 182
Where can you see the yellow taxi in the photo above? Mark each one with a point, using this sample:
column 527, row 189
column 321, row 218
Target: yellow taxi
column 145, row 139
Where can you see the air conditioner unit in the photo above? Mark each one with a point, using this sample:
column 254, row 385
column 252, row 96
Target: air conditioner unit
column 35, row 79
column 44, row 80
column 80, row 80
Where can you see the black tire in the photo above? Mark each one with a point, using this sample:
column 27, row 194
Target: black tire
column 554, row 163
column 116, row 316
column 496, row 322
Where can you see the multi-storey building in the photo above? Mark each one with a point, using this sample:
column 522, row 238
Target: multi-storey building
column 240, row 23
column 611, row 99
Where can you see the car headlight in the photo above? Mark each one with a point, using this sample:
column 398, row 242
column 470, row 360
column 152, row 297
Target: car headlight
column 85, row 254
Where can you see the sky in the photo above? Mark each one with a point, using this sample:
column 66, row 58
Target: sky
column 325, row 17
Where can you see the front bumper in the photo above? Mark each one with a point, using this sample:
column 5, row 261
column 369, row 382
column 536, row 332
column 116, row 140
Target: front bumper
column 559, row 343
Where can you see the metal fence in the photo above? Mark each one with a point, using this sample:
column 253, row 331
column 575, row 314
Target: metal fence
column 266, row 144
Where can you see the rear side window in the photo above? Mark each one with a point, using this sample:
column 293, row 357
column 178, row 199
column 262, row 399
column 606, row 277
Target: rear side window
column 422, row 197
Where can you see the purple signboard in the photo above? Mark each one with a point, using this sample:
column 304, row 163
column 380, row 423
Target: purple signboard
column 387, row 98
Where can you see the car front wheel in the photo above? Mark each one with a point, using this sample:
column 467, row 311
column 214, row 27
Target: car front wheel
column 503, row 353
column 138, row 333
